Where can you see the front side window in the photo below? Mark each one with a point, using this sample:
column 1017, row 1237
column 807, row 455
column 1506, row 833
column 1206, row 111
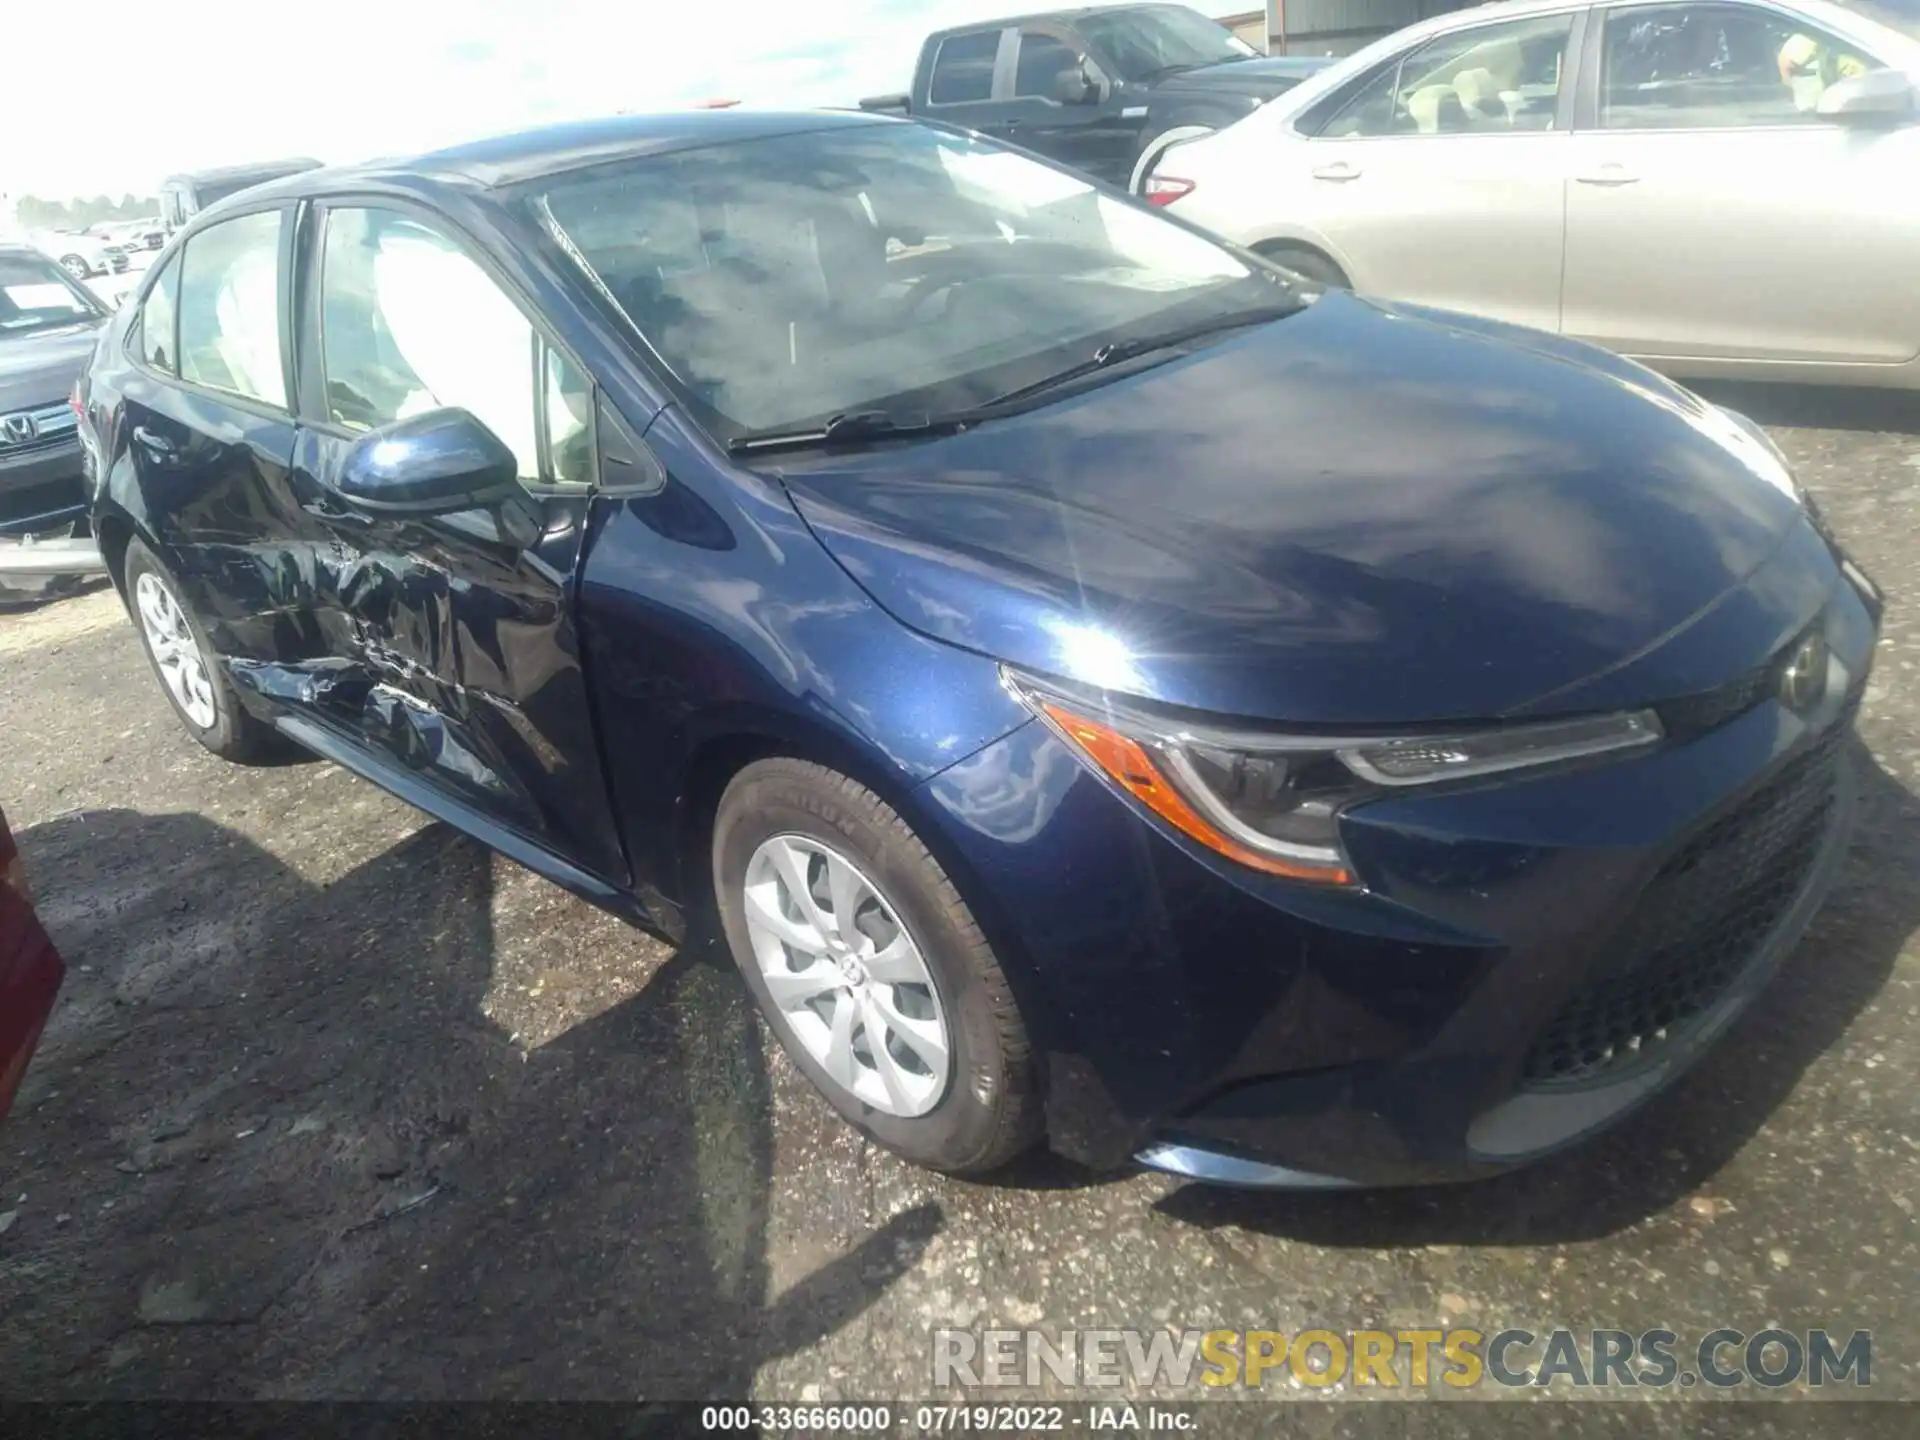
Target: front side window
column 1044, row 64
column 36, row 294
column 1710, row 66
column 1487, row 80
column 156, row 321
column 1144, row 44
column 796, row 277
column 963, row 69
column 409, row 323
column 229, row 308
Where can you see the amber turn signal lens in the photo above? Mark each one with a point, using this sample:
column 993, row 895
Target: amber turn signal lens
column 1131, row 767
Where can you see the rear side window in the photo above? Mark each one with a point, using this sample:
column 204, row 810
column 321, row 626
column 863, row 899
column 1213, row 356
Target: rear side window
column 229, row 308
column 156, row 320
column 963, row 68
column 1490, row 79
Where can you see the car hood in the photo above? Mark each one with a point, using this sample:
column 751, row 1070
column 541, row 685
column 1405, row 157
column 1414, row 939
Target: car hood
column 1261, row 77
column 37, row 370
column 1365, row 513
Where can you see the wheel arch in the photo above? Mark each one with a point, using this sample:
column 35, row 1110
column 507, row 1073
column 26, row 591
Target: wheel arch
column 721, row 755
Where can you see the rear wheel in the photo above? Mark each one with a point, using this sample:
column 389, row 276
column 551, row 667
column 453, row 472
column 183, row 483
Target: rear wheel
column 76, row 266
column 1305, row 260
column 870, row 968
column 188, row 668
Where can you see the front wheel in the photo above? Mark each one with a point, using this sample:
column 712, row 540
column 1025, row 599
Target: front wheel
column 75, row 266
column 871, row 969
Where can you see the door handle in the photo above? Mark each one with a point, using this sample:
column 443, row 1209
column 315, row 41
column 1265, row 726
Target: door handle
column 1608, row 175
column 1338, row 170
column 154, row 443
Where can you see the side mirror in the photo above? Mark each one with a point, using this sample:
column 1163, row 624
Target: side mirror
column 1877, row 95
column 433, row 464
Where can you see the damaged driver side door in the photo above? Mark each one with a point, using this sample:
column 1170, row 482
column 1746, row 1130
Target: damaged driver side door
column 450, row 664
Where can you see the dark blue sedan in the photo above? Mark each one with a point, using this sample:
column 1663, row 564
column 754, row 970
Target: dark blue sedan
column 1105, row 687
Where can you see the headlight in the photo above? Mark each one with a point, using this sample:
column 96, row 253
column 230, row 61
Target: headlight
column 1273, row 802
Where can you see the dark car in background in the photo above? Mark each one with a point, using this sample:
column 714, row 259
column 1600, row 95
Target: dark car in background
column 48, row 325
column 185, row 195
column 1109, row 687
column 1094, row 88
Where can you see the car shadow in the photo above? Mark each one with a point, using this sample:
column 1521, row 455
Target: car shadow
column 1682, row 1138
column 293, row 1158
column 1818, row 407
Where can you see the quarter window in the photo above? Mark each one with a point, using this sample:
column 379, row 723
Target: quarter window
column 409, row 323
column 229, row 308
column 1688, row 67
column 156, row 321
column 963, row 68
column 1490, row 79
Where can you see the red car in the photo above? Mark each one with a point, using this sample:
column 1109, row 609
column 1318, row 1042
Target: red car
column 30, row 970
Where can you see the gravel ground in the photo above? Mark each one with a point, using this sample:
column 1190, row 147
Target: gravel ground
column 335, row 1104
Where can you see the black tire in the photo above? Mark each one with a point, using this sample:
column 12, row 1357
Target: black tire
column 234, row 734
column 1304, row 260
column 76, row 266
column 990, row 1112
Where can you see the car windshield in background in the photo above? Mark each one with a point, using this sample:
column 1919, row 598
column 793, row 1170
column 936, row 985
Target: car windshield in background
column 800, row 277
column 36, row 295
column 1155, row 40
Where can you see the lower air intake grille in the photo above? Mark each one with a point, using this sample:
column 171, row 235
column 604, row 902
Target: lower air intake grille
column 1699, row 922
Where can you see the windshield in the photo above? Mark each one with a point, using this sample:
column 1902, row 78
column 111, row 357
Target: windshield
column 35, row 294
column 795, row 278
column 1151, row 41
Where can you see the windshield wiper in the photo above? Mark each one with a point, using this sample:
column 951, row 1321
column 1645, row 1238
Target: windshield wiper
column 858, row 425
column 1116, row 351
column 854, row 425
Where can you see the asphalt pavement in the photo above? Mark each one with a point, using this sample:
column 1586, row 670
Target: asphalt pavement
column 336, row 1104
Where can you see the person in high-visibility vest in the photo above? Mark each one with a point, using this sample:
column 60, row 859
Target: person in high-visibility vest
column 1808, row 66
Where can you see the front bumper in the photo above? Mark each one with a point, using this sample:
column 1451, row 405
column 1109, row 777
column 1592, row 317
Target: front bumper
column 42, row 488
column 42, row 504
column 1529, row 960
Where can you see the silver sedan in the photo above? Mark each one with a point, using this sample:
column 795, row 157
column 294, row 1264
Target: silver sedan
column 1721, row 189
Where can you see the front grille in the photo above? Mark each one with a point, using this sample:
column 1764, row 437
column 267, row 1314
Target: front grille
column 1698, row 925
column 28, row 432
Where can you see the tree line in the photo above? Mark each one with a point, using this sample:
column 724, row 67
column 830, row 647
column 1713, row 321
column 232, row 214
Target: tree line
column 33, row 213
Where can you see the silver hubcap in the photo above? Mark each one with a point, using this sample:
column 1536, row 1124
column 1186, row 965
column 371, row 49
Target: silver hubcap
column 175, row 652
column 846, row 977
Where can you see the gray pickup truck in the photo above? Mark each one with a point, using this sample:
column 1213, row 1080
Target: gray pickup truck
column 1093, row 88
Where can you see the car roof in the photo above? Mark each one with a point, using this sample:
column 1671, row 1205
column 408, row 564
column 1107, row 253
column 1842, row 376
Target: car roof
column 524, row 155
